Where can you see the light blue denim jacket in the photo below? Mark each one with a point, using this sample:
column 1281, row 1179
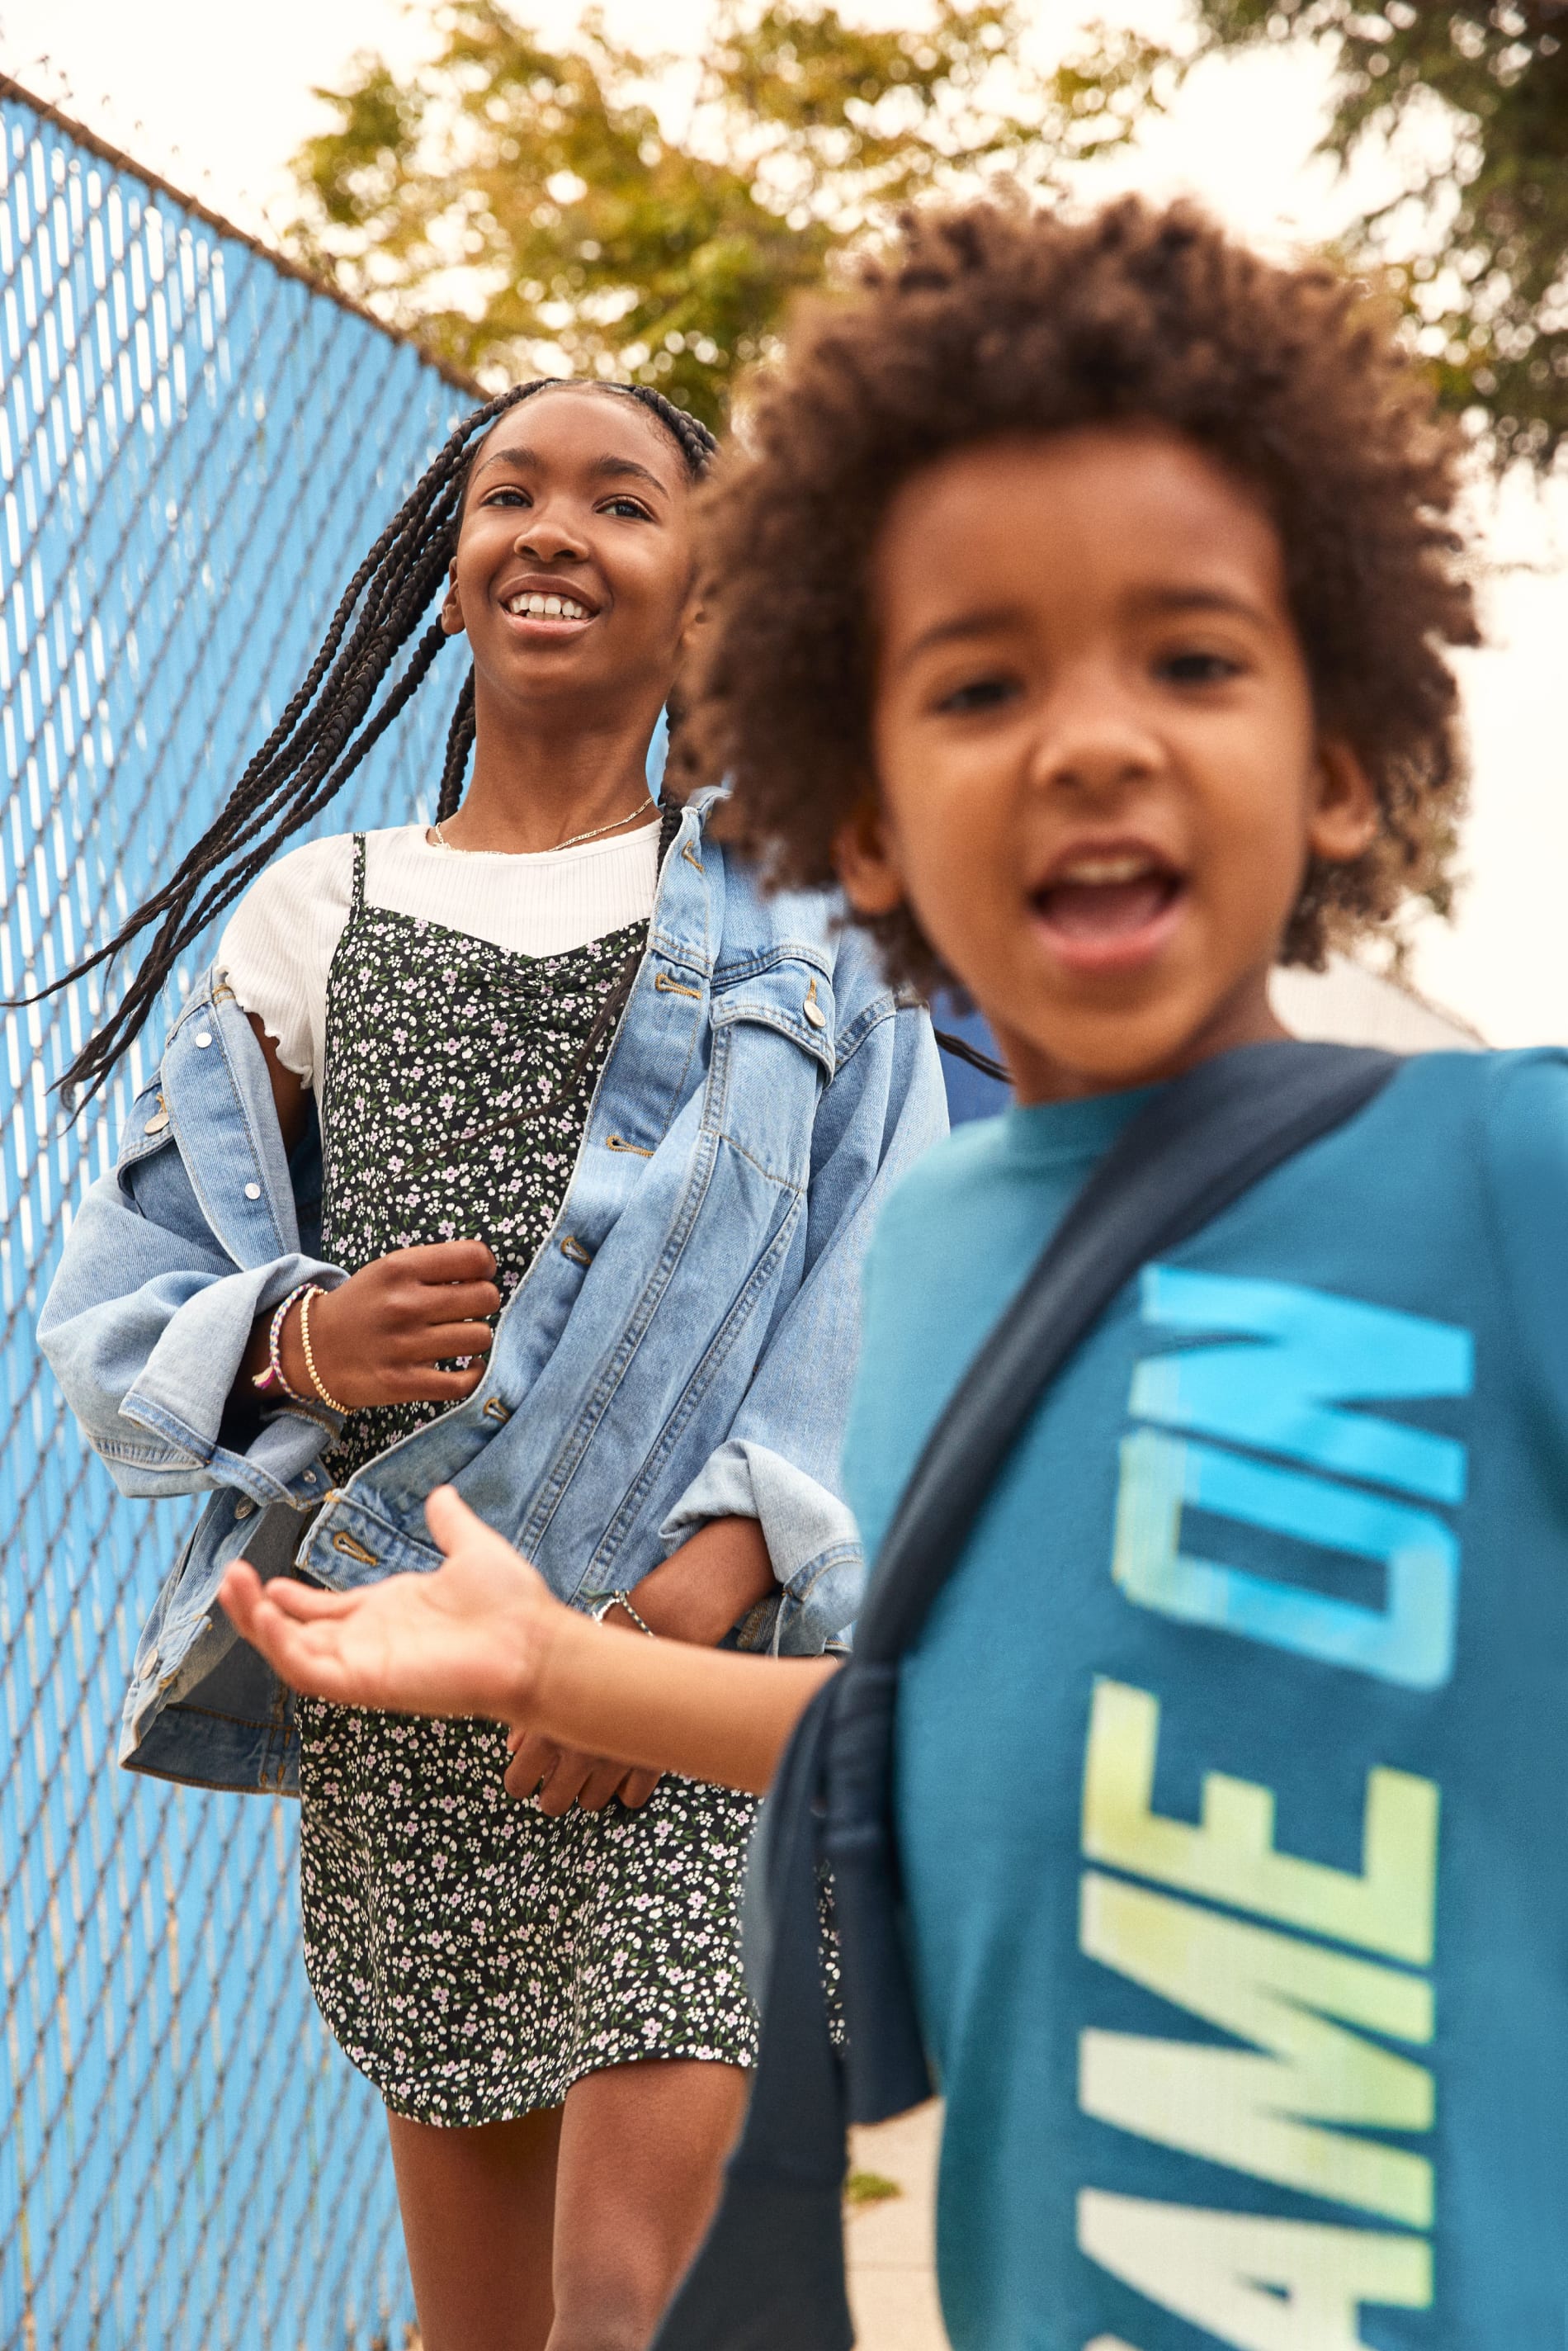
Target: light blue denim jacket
column 680, row 1349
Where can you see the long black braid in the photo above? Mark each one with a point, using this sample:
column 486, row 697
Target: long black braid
column 331, row 722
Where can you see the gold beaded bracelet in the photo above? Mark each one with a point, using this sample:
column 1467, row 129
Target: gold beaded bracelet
column 331, row 1402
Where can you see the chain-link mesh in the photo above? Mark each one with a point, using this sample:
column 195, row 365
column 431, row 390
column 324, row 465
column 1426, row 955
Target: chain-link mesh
column 195, row 448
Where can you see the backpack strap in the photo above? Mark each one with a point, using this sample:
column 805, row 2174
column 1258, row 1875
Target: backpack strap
column 1197, row 1147
column 1206, row 1139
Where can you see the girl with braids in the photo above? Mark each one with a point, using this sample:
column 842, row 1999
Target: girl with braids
column 534, row 1152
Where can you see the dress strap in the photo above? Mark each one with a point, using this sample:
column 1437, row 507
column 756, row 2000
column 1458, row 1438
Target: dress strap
column 357, row 904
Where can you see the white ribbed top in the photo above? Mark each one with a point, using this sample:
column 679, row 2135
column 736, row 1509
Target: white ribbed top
column 278, row 950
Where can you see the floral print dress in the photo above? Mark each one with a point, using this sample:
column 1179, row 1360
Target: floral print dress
column 473, row 1957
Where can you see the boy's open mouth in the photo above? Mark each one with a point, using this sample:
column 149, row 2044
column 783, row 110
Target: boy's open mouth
column 1108, row 907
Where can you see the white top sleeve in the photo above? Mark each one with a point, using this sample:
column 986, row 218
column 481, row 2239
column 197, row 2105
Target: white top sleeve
column 277, row 949
column 276, row 953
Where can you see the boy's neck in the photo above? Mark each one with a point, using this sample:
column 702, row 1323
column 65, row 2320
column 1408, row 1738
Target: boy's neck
column 1039, row 1076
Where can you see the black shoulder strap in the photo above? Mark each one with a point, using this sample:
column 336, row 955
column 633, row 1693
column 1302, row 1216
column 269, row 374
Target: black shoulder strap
column 1203, row 1141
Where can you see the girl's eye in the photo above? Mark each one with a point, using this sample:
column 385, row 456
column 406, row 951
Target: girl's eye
column 508, row 495
column 625, row 505
column 979, row 694
column 1198, row 669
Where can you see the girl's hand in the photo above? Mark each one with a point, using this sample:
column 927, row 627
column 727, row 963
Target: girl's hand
column 470, row 1640
column 379, row 1337
column 563, row 1776
column 695, row 1596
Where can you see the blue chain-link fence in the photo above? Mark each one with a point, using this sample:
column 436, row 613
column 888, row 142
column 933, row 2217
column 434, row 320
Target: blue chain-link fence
column 195, row 449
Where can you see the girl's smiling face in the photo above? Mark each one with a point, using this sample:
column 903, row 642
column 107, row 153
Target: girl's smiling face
column 1100, row 777
column 573, row 570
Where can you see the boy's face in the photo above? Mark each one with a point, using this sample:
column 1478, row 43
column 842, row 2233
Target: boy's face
column 1100, row 778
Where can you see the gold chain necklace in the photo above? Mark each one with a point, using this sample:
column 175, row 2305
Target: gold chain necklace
column 575, row 841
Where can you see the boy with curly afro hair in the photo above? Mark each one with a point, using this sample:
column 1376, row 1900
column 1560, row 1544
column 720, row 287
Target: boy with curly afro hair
column 1084, row 593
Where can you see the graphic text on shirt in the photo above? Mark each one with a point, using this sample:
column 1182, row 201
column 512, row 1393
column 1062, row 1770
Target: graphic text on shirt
column 1288, row 2109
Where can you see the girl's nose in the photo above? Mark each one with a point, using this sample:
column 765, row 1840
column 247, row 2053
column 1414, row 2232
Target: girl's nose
column 544, row 537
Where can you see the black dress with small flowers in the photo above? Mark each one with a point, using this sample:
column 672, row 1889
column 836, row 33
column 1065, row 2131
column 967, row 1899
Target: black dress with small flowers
column 473, row 1957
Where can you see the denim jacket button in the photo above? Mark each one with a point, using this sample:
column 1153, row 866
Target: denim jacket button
column 149, row 1665
column 203, row 1037
column 243, row 1507
column 252, row 1191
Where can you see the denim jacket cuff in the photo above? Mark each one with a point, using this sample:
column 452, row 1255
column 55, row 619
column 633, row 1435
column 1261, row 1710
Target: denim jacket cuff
column 179, row 1399
column 812, row 1540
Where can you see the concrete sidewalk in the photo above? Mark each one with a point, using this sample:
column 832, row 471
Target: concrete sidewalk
column 892, row 2284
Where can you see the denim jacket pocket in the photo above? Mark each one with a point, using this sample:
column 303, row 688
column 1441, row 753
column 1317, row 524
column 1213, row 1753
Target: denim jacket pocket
column 147, row 1130
column 773, row 1055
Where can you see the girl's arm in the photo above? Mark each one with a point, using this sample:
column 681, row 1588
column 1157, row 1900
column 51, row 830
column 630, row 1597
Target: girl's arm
column 484, row 1636
column 379, row 1337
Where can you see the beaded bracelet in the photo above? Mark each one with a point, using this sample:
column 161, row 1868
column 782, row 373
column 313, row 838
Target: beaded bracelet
column 275, row 1376
column 312, row 1289
column 601, row 1609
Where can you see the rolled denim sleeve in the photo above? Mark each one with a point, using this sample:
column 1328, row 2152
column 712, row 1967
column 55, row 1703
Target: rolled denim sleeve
column 780, row 1463
column 145, row 1327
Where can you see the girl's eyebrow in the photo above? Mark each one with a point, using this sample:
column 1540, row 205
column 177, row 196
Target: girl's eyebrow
column 520, row 459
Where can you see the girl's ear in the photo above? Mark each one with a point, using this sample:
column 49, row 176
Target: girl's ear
column 452, row 618
column 1344, row 819
column 866, row 861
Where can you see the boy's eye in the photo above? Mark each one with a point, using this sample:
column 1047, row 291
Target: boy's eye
column 1194, row 668
column 979, row 694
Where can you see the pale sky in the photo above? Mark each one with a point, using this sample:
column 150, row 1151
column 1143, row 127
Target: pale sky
column 216, row 97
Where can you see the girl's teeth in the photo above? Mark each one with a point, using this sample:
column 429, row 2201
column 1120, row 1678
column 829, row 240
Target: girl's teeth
column 547, row 608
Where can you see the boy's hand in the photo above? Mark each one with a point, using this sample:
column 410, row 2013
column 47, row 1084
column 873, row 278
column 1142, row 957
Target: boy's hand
column 378, row 1336
column 470, row 1640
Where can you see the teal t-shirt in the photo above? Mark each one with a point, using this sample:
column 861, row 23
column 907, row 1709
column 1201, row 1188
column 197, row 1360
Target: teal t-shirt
column 1232, row 1766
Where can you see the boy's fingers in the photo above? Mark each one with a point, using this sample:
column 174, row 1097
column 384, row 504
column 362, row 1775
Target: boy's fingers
column 240, row 1591
column 307, row 1602
column 451, row 1521
column 294, row 1653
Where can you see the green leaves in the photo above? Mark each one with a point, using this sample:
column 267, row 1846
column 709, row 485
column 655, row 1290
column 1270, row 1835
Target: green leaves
column 1488, row 296
column 525, row 209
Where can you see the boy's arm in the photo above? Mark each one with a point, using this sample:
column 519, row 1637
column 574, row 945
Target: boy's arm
column 484, row 1636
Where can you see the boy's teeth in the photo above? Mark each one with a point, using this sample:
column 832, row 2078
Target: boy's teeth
column 536, row 607
column 1095, row 870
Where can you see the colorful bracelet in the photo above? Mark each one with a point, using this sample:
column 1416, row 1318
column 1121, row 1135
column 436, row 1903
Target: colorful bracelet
column 312, row 1289
column 275, row 1376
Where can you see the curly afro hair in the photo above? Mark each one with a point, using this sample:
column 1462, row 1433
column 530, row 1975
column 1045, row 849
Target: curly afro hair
column 993, row 321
